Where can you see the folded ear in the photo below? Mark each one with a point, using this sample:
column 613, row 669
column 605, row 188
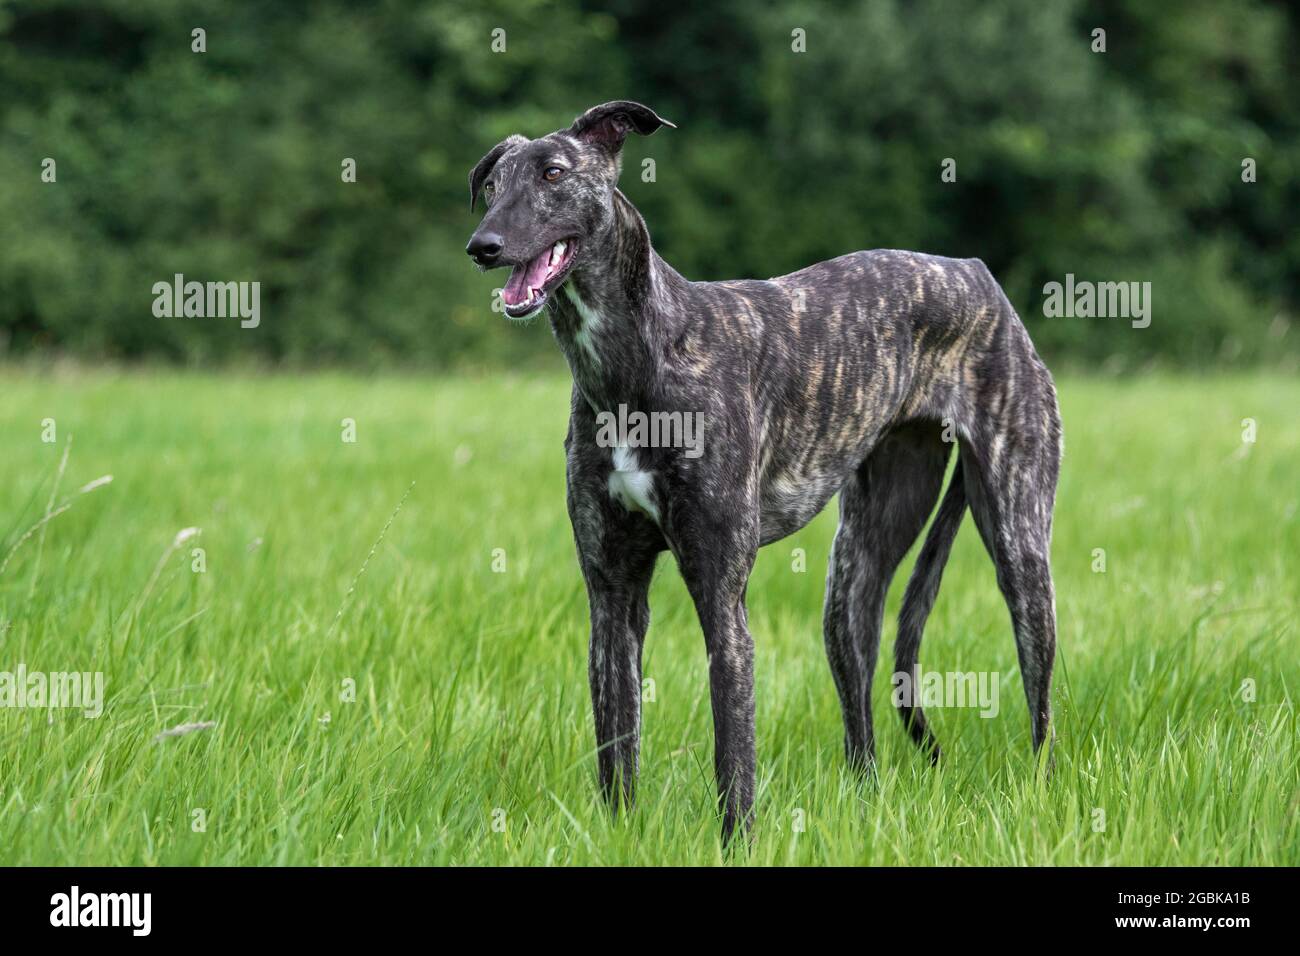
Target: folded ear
column 479, row 174
column 608, row 124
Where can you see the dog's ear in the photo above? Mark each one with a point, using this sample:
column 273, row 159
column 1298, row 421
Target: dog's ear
column 608, row 124
column 479, row 174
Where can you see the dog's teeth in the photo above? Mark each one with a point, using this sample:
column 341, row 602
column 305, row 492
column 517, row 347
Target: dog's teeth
column 557, row 253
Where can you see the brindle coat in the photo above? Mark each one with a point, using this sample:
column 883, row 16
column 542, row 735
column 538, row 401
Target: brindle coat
column 855, row 375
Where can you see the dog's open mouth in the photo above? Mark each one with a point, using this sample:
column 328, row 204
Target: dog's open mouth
column 529, row 284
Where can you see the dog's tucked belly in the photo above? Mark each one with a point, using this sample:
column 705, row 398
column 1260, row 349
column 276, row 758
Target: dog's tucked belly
column 806, row 458
column 796, row 483
column 787, row 505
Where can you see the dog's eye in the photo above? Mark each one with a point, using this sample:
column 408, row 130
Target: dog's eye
column 552, row 173
column 489, row 188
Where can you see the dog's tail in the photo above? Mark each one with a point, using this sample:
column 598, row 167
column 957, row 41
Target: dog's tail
column 918, row 600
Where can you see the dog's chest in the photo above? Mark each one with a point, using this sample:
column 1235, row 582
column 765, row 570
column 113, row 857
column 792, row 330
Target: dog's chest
column 588, row 327
column 630, row 485
column 591, row 344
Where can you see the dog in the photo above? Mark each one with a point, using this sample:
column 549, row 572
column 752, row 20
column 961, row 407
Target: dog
column 856, row 375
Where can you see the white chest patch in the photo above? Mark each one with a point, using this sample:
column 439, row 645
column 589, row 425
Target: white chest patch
column 591, row 323
column 630, row 486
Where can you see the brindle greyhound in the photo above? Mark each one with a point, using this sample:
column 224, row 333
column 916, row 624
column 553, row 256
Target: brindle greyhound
column 854, row 375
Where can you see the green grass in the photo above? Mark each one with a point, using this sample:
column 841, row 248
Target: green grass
column 471, row 702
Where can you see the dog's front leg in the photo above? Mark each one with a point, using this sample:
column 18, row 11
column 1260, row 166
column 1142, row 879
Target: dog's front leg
column 617, row 551
column 715, row 549
column 620, row 615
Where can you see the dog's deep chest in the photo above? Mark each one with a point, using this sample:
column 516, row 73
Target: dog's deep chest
column 632, row 486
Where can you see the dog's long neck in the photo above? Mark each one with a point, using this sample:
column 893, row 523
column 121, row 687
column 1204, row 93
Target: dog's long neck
column 610, row 316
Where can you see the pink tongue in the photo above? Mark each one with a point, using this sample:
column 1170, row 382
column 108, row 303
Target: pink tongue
column 523, row 278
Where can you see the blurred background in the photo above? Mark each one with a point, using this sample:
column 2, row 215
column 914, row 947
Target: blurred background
column 1117, row 166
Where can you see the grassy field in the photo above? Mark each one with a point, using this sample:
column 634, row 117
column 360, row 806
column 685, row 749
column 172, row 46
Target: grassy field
column 469, row 737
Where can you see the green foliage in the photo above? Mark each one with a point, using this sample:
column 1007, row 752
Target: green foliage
column 225, row 165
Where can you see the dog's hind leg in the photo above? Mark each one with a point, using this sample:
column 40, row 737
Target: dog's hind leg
column 1011, row 466
column 883, row 508
column 918, row 601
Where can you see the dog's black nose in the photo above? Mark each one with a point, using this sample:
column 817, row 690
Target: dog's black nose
column 485, row 248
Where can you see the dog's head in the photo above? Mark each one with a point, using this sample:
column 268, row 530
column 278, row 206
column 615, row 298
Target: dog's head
column 549, row 199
